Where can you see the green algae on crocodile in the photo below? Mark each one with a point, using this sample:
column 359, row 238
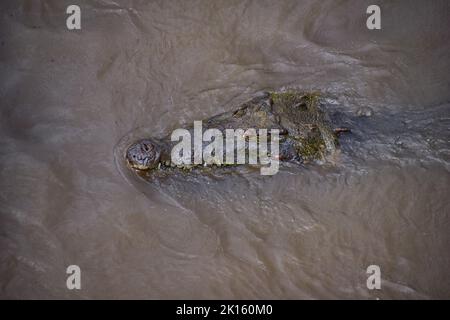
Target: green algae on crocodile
column 305, row 133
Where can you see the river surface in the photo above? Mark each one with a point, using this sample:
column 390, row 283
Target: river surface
column 71, row 100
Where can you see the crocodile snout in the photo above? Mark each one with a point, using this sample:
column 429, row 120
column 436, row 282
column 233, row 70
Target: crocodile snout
column 143, row 155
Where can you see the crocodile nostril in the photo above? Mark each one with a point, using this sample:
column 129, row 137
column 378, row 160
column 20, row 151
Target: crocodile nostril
column 146, row 147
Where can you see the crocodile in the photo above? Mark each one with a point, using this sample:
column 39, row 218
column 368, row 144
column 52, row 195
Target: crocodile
column 305, row 133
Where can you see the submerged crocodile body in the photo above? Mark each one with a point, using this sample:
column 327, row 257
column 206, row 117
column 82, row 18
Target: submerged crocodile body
column 305, row 133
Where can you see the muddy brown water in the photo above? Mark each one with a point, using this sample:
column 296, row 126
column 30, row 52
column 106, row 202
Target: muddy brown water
column 71, row 100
